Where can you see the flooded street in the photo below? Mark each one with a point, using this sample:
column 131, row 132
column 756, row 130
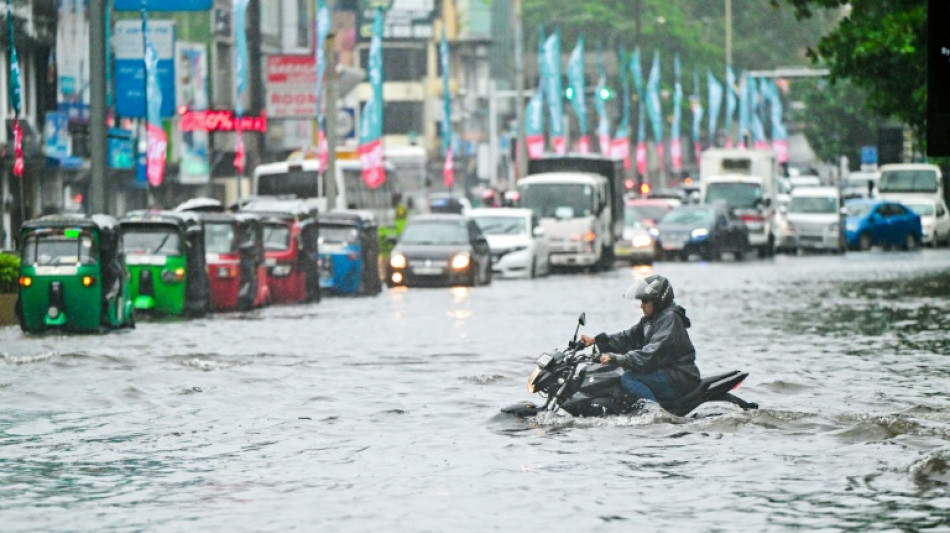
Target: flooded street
column 382, row 413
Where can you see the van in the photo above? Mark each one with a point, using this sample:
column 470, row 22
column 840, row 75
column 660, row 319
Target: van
column 748, row 197
column 816, row 219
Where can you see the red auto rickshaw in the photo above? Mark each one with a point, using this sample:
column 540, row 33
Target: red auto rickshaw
column 234, row 246
column 291, row 235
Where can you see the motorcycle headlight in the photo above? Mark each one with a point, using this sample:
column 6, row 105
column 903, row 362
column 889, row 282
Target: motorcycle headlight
column 460, row 261
column 397, row 261
column 532, row 386
column 699, row 233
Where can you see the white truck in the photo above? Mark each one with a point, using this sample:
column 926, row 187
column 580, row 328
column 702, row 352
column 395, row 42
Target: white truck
column 575, row 212
column 747, row 181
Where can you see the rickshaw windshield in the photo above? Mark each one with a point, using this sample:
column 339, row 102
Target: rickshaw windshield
column 339, row 234
column 58, row 249
column 151, row 241
column 276, row 237
column 219, row 238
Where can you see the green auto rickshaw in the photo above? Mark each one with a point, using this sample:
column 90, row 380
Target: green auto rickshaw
column 165, row 257
column 72, row 276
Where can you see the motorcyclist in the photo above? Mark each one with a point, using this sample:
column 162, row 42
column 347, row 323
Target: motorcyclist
column 656, row 352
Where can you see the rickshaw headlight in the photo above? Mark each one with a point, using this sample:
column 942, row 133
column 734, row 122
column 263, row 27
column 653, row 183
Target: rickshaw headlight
column 460, row 261
column 26, row 281
column 397, row 277
column 397, row 261
column 173, row 276
column 227, row 272
column 88, row 281
column 281, row 270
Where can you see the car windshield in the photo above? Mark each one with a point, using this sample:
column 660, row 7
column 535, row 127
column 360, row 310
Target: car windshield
column 219, row 238
column 907, row 181
column 689, row 216
column 338, row 234
column 813, row 204
column 495, row 225
column 735, row 195
column 925, row 210
column 58, row 249
column 151, row 241
column 558, row 200
column 435, row 232
column 276, row 237
column 858, row 210
column 645, row 212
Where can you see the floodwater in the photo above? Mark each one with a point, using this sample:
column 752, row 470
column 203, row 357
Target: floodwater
column 382, row 413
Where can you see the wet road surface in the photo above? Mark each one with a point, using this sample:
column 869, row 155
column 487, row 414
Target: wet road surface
column 381, row 413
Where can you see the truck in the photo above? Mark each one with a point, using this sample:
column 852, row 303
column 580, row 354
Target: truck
column 579, row 200
column 747, row 182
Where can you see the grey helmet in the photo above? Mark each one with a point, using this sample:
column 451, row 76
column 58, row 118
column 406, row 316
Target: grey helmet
column 653, row 288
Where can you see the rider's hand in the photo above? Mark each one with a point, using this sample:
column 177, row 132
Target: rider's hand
column 586, row 341
column 606, row 359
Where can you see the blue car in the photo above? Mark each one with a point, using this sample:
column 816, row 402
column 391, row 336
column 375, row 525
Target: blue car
column 349, row 253
column 876, row 222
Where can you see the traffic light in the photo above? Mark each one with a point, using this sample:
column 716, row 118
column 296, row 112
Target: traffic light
column 569, row 93
column 605, row 94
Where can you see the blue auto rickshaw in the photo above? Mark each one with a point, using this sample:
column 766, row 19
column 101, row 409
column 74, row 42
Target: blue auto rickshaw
column 349, row 253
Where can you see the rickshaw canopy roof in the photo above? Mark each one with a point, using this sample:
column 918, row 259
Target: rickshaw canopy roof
column 180, row 219
column 201, row 204
column 349, row 217
column 104, row 224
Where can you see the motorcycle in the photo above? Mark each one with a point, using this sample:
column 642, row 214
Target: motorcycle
column 575, row 381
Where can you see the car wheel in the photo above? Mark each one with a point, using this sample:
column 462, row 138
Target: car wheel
column 864, row 242
column 910, row 242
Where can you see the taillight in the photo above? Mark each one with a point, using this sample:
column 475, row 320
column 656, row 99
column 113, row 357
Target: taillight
column 26, row 281
column 88, row 281
column 752, row 218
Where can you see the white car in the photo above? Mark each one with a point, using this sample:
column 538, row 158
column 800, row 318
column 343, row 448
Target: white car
column 516, row 240
column 934, row 220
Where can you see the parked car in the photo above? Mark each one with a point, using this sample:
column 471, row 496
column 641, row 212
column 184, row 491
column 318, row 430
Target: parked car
column 637, row 244
column 877, row 222
column 440, row 249
column 705, row 229
column 516, row 239
column 934, row 220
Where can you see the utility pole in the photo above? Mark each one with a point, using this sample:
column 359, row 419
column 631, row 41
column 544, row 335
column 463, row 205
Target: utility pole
column 521, row 155
column 329, row 174
column 97, row 106
column 728, row 32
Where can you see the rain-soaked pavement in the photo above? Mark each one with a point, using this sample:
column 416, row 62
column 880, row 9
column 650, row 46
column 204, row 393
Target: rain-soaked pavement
column 380, row 413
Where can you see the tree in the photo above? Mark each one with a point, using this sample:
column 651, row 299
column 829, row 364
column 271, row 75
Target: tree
column 835, row 119
column 880, row 46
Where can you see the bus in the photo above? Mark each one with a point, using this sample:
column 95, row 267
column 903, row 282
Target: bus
column 302, row 178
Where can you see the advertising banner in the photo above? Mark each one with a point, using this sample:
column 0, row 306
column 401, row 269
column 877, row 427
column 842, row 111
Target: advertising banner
column 164, row 5
column 554, row 91
column 72, row 59
column 192, row 95
column 130, row 66
column 290, row 86
column 676, row 151
column 575, row 76
column 371, row 119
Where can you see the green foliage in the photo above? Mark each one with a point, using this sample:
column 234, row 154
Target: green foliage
column 880, row 46
column 9, row 272
column 835, row 119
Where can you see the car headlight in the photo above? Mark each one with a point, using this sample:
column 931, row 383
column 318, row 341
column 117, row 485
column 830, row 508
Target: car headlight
column 699, row 233
column 460, row 261
column 851, row 226
column 397, row 261
column 654, row 232
column 642, row 241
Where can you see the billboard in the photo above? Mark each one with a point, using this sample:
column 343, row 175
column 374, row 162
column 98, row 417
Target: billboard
column 290, row 84
column 72, row 59
column 164, row 5
column 130, row 66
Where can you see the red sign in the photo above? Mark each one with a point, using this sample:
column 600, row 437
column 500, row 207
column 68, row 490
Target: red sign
column 221, row 120
column 371, row 158
column 155, row 154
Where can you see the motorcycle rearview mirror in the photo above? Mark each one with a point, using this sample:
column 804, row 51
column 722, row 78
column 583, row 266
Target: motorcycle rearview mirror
column 581, row 321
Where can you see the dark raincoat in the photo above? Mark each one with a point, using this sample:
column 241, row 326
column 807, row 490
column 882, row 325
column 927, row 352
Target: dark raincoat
column 659, row 343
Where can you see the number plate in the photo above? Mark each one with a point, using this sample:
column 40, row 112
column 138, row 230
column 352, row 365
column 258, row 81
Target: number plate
column 427, row 271
column 544, row 359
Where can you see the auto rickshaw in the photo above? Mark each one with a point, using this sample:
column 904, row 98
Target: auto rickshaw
column 234, row 247
column 349, row 252
column 291, row 247
column 72, row 276
column 165, row 257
